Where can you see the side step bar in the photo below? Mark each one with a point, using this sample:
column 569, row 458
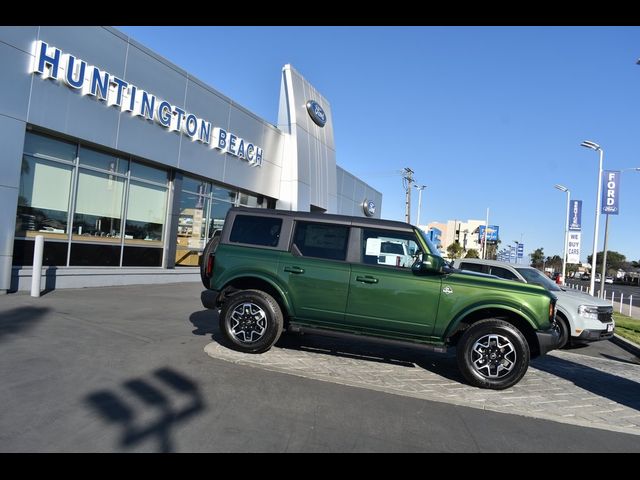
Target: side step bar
column 303, row 329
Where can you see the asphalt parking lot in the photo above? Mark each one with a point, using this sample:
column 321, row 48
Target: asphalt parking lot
column 141, row 369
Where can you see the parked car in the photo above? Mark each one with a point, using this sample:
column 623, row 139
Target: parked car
column 608, row 280
column 319, row 273
column 395, row 253
column 581, row 317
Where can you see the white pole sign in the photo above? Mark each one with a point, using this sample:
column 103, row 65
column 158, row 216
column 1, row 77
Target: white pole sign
column 573, row 247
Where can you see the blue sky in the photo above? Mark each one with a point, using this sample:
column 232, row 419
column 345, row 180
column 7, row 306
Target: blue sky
column 485, row 116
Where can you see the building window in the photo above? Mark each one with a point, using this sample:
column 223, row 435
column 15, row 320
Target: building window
column 44, row 146
column 54, row 254
column 218, row 213
column 103, row 161
column 98, row 209
column 192, row 222
column 102, row 209
column 247, row 200
column 43, row 200
column 90, row 194
column 94, row 255
column 145, row 214
column 203, row 208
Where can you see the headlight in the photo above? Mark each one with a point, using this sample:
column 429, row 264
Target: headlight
column 588, row 311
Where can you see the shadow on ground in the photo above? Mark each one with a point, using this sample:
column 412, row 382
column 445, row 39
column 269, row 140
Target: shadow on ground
column 618, row 389
column 19, row 320
column 443, row 364
column 156, row 396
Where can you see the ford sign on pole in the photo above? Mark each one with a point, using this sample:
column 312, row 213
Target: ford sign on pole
column 610, row 192
column 575, row 215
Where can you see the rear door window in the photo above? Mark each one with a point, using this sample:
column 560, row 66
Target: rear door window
column 389, row 248
column 473, row 267
column 504, row 273
column 256, row 230
column 321, row 240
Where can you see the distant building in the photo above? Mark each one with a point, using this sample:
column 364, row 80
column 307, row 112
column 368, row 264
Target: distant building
column 465, row 233
column 435, row 235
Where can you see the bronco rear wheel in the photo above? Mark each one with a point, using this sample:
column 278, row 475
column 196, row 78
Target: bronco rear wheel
column 493, row 354
column 251, row 321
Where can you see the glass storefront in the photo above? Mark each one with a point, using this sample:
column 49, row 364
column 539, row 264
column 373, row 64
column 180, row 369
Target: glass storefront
column 100, row 209
column 80, row 199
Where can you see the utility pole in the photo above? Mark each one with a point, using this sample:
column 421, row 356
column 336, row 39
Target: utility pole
column 407, row 180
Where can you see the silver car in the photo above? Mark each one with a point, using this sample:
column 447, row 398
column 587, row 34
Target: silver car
column 580, row 317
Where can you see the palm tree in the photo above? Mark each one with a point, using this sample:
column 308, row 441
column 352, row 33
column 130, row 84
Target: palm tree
column 537, row 258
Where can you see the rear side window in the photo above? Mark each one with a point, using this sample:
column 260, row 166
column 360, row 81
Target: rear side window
column 473, row 267
column 256, row 230
column 321, row 240
column 503, row 273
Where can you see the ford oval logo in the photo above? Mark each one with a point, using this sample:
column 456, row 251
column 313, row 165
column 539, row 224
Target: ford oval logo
column 369, row 208
column 316, row 113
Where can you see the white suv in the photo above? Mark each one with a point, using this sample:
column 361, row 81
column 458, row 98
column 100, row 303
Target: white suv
column 580, row 317
column 396, row 253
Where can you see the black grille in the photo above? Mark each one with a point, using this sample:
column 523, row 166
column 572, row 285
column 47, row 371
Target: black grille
column 605, row 314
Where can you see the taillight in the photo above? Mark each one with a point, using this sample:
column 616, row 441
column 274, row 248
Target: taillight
column 209, row 268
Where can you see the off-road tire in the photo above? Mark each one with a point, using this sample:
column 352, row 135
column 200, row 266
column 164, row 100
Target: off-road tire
column 493, row 354
column 564, row 332
column 251, row 321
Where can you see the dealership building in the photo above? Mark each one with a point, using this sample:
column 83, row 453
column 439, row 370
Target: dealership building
column 127, row 164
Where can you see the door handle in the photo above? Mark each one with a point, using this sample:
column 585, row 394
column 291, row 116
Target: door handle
column 366, row 279
column 294, row 269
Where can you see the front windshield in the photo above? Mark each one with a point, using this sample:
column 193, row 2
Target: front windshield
column 432, row 248
column 531, row 275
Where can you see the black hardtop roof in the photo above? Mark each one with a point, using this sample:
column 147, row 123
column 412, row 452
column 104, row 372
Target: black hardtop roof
column 327, row 217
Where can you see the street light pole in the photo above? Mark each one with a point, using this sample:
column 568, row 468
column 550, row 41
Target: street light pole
column 604, row 257
column 421, row 187
column 562, row 188
column 592, row 280
column 486, row 230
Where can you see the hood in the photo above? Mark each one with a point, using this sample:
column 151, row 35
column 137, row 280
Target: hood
column 582, row 298
column 492, row 281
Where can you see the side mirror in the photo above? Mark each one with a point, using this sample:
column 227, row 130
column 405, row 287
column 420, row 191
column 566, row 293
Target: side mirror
column 430, row 264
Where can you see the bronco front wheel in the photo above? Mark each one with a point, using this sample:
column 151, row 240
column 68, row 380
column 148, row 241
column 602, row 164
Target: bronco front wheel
column 493, row 354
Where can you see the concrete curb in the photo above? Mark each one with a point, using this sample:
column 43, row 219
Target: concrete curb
column 625, row 344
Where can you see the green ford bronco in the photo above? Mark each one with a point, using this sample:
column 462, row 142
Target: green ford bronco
column 271, row 270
